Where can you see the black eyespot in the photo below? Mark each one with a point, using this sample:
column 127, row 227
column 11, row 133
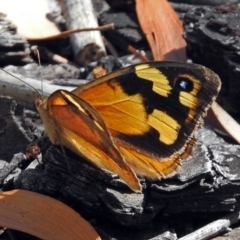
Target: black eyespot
column 184, row 84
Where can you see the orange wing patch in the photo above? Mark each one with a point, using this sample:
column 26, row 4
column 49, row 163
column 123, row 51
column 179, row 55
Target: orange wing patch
column 142, row 165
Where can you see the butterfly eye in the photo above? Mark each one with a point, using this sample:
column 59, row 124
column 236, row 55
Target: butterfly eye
column 184, row 84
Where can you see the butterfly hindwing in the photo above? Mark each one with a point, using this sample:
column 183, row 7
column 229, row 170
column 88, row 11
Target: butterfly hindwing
column 152, row 111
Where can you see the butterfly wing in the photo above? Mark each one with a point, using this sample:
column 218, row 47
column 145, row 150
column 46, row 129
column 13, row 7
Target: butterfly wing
column 72, row 122
column 152, row 111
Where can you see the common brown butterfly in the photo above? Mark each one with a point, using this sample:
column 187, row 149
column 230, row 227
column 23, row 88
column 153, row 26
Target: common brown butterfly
column 138, row 120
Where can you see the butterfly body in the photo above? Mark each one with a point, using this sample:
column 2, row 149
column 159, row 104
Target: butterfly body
column 148, row 113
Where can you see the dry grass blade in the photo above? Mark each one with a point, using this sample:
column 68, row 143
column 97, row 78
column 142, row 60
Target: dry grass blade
column 221, row 120
column 43, row 217
column 162, row 28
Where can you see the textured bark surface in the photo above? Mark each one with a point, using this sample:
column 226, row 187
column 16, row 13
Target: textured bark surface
column 208, row 183
column 212, row 34
column 15, row 131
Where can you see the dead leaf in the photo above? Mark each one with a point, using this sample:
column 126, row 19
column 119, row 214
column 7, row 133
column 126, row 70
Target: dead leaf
column 162, row 28
column 220, row 119
column 30, row 17
column 43, row 217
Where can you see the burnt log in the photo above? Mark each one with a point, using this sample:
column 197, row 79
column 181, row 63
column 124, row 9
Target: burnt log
column 207, row 183
column 212, row 35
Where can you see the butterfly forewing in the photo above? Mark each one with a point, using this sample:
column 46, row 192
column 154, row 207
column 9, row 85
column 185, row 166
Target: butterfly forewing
column 152, row 111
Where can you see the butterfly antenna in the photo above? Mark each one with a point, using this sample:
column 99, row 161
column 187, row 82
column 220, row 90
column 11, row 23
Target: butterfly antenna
column 21, row 81
column 34, row 48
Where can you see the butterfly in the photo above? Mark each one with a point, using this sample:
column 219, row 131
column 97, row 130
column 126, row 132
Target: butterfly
column 136, row 121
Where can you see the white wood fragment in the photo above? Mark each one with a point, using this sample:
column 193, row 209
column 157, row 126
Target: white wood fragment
column 87, row 46
column 214, row 228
